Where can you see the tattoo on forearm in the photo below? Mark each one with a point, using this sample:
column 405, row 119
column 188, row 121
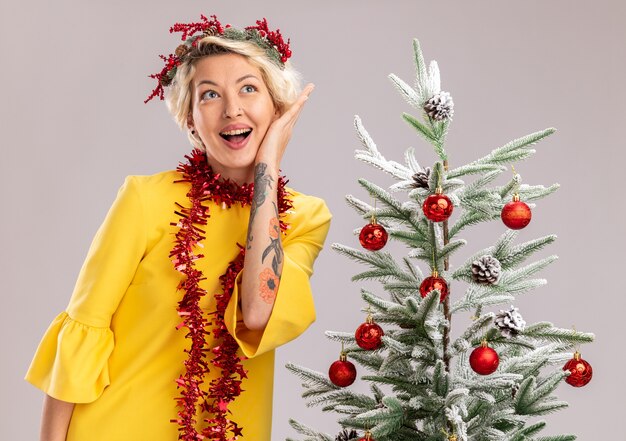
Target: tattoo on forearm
column 269, row 285
column 275, row 245
column 270, row 277
column 262, row 185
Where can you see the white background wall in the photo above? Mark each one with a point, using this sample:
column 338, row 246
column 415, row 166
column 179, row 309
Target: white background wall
column 73, row 80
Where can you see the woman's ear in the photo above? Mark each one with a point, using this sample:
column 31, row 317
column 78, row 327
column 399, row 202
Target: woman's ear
column 190, row 122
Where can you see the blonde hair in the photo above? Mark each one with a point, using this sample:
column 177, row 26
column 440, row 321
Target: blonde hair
column 283, row 84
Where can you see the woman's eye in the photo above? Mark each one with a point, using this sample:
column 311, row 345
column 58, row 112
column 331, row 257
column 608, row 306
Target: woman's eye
column 248, row 89
column 209, row 95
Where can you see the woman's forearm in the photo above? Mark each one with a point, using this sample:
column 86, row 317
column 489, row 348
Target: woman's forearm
column 263, row 263
column 264, row 259
column 55, row 419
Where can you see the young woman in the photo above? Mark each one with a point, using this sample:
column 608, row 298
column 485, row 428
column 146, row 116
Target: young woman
column 196, row 275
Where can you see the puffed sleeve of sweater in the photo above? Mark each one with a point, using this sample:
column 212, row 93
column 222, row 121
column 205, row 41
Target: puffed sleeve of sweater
column 293, row 310
column 71, row 362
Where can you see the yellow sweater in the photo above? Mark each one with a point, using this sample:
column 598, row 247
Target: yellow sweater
column 115, row 349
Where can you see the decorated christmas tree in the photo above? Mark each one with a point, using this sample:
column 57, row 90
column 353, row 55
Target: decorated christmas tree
column 495, row 379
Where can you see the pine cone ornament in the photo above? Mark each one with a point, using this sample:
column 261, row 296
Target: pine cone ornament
column 510, row 322
column 182, row 50
column 344, row 435
column 165, row 80
column 486, row 270
column 440, row 106
column 420, row 179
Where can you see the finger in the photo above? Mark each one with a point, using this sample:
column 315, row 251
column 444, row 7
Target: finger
column 304, row 96
column 291, row 115
column 307, row 90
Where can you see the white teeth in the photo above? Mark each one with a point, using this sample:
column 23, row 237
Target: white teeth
column 236, row 132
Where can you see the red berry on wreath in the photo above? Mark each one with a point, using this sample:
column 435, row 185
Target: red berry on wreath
column 437, row 207
column 434, row 282
column 342, row 372
column 369, row 335
column 484, row 360
column 516, row 214
column 373, row 236
column 580, row 371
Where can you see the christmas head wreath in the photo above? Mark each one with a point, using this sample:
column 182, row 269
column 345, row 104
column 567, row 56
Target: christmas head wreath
column 271, row 42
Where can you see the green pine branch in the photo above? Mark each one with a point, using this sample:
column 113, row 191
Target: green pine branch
column 557, row 438
column 515, row 150
column 546, row 332
column 343, row 397
column 311, row 434
column 382, row 421
column 533, row 398
column 472, row 333
column 473, row 169
column 524, row 433
column 407, row 92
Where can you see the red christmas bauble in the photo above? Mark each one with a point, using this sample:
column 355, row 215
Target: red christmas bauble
column 516, row 215
column 369, row 335
column 373, row 237
column 437, row 207
column 434, row 282
column 367, row 437
column 342, row 372
column 580, row 371
column 484, row 360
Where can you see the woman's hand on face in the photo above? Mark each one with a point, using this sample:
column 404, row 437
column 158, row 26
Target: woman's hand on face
column 279, row 133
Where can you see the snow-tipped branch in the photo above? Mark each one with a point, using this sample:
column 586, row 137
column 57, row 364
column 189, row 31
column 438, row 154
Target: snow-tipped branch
column 311, row 434
column 546, row 332
column 515, row 150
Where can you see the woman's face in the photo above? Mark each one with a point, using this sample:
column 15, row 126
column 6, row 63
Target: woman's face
column 231, row 112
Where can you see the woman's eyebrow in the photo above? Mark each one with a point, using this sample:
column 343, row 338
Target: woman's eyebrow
column 245, row 77
column 213, row 83
column 208, row 82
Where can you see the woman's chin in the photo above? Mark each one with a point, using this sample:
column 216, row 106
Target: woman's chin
column 239, row 168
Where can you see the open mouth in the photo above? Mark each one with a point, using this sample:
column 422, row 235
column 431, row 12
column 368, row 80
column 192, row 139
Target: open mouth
column 236, row 136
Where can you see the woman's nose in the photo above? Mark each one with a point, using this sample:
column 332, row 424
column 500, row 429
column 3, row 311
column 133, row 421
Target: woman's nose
column 232, row 107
